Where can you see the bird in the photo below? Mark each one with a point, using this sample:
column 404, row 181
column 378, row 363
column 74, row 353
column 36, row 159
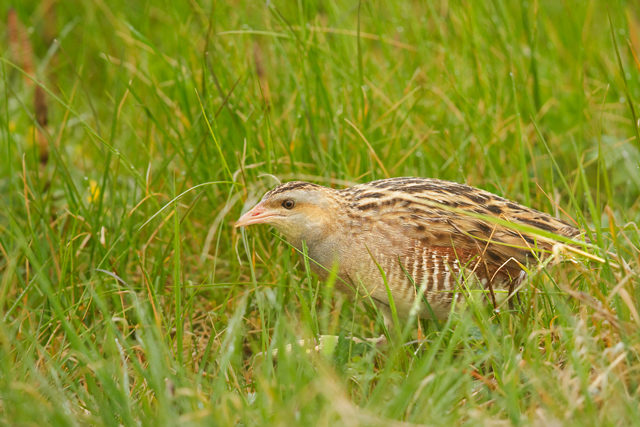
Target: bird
column 410, row 244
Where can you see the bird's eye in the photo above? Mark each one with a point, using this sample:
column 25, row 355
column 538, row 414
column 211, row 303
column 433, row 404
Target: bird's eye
column 288, row 204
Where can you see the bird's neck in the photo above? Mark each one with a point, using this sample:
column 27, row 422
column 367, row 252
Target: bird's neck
column 323, row 252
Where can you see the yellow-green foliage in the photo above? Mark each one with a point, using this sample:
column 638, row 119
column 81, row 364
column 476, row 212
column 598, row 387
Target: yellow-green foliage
column 126, row 297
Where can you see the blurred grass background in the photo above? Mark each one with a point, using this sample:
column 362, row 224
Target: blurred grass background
column 122, row 303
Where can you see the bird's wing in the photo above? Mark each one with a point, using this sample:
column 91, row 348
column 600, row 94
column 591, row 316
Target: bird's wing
column 442, row 213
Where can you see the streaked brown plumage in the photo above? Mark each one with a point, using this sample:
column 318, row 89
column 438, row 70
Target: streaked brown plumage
column 426, row 235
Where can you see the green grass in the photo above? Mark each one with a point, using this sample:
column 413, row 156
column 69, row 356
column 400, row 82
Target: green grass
column 122, row 303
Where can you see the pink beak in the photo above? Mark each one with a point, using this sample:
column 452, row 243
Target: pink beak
column 256, row 215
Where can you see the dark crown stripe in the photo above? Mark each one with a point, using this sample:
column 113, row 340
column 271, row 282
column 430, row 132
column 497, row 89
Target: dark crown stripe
column 293, row 185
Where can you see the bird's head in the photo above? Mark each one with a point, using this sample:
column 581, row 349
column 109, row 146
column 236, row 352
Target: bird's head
column 299, row 210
